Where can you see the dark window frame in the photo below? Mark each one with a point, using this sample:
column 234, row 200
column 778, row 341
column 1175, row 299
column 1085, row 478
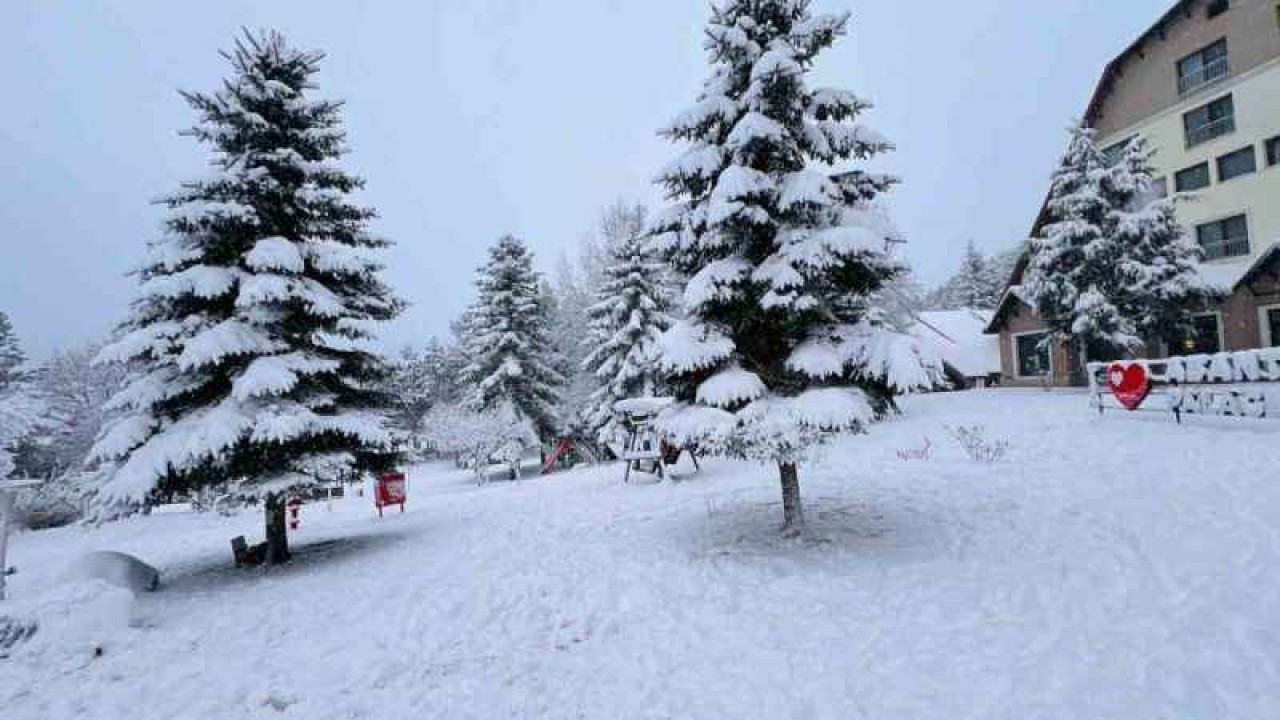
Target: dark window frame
column 1217, row 122
column 1180, row 186
column 1020, row 367
column 1252, row 168
column 1271, row 148
column 1269, row 325
column 1224, row 245
column 1201, row 342
column 1114, row 152
column 1204, row 67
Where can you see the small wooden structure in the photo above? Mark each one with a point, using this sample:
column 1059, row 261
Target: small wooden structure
column 646, row 449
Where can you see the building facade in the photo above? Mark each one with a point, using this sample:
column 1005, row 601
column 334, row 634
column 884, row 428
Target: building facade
column 1203, row 87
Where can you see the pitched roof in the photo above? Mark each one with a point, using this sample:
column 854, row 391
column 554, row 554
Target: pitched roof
column 1012, row 294
column 1254, row 270
column 1113, row 68
column 959, row 338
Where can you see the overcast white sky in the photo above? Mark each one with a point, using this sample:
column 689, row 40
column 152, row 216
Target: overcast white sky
column 471, row 118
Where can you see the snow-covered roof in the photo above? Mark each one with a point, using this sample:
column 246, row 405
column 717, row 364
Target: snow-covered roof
column 1229, row 276
column 959, row 337
column 1224, row 276
column 1011, row 293
column 643, row 405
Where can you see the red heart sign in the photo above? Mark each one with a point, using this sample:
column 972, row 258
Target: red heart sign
column 1129, row 383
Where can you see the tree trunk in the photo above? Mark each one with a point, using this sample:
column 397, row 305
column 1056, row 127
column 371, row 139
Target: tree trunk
column 277, row 530
column 792, row 511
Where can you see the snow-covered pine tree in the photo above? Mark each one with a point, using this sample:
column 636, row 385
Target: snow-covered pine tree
column 11, row 355
column 510, row 357
column 249, row 343
column 75, row 393
column 569, row 299
column 977, row 284
column 627, row 319
column 19, row 409
column 1163, row 287
column 1003, row 263
column 420, row 378
column 1075, row 278
column 782, row 346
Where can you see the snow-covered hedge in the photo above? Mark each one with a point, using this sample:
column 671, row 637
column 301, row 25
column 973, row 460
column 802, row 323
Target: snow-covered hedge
column 479, row 437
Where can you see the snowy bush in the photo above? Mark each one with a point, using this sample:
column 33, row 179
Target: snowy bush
column 973, row 441
column 478, row 438
column 921, row 453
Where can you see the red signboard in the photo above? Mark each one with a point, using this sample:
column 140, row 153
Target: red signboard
column 1131, row 384
column 390, row 491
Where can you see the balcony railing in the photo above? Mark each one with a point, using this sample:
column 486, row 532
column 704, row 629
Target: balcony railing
column 1214, row 129
column 1207, row 74
column 1226, row 248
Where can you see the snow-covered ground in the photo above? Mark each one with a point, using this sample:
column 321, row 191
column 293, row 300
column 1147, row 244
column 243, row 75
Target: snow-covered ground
column 1121, row 567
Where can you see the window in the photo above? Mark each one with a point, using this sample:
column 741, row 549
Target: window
column 1217, row 7
column 1273, row 151
column 1224, row 238
column 1193, row 178
column 1158, row 190
column 1240, row 162
column 1203, row 66
column 1205, row 337
column 1113, row 154
column 1210, row 121
column 1032, row 357
column 1270, row 317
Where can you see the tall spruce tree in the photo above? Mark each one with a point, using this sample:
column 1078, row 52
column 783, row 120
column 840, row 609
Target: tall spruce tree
column 19, row 410
column 506, row 340
column 627, row 319
column 1113, row 267
column 11, row 355
column 1076, row 278
column 249, row 342
column 1163, row 287
column 782, row 346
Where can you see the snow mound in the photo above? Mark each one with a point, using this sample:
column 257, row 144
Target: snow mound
column 116, row 568
column 643, row 405
column 73, row 620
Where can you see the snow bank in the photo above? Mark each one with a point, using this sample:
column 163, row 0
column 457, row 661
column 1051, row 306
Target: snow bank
column 118, row 569
column 1108, row 569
